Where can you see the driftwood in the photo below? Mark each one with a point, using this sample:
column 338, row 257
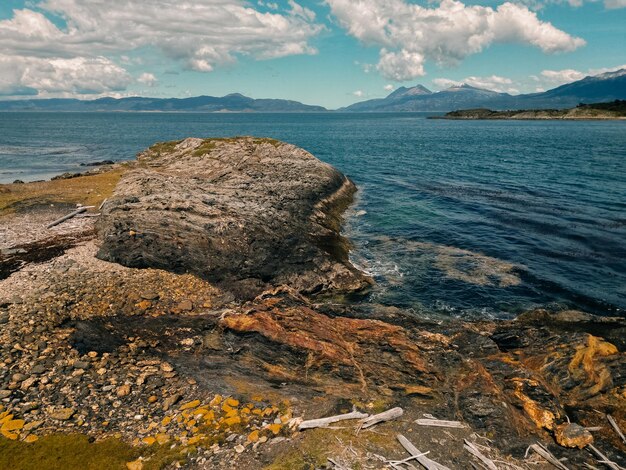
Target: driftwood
column 324, row 422
column 472, row 449
column 616, row 427
column 388, row 415
column 102, row 203
column 546, row 454
column 604, row 459
column 424, row 461
column 80, row 210
column 440, row 423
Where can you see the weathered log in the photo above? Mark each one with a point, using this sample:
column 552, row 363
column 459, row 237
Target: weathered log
column 442, row 423
column 546, row 454
column 427, row 463
column 472, row 449
column 616, row 427
column 604, row 459
column 324, row 422
column 80, row 210
column 388, row 415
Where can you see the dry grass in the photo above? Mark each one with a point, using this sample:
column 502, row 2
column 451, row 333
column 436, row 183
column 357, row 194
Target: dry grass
column 87, row 190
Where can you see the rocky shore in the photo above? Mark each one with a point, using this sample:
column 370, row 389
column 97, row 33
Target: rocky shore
column 209, row 307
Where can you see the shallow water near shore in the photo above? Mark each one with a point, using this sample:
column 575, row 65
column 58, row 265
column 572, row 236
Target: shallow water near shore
column 474, row 219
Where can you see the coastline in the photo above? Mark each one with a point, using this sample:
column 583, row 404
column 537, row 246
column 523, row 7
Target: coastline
column 513, row 381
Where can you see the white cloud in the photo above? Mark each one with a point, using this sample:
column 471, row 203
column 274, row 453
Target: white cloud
column 493, row 82
column 59, row 76
column 561, row 76
column 148, row 79
column 547, row 79
column 409, row 34
column 614, row 4
column 358, row 93
column 389, row 87
column 201, row 35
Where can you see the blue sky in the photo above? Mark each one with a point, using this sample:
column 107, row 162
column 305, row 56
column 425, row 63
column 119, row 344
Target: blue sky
column 332, row 52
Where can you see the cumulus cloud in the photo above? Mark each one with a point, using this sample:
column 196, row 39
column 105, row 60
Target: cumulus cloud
column 545, row 80
column 148, row 79
column 389, row 87
column 493, row 82
column 614, row 4
column 59, row 76
column 409, row 34
column 358, row 93
column 201, row 35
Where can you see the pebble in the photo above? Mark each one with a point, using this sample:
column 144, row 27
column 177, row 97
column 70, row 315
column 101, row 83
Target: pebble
column 63, row 414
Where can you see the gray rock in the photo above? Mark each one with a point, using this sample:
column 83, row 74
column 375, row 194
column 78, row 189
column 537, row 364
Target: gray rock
column 4, row 318
column 5, row 394
column 248, row 213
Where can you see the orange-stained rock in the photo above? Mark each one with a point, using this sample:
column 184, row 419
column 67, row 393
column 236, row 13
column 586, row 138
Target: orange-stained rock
column 542, row 417
column 572, row 435
column 338, row 341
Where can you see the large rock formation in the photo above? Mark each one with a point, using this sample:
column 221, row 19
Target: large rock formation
column 243, row 212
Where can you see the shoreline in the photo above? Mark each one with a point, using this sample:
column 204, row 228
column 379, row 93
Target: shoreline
column 180, row 338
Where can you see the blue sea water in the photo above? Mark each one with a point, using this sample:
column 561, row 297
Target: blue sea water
column 464, row 218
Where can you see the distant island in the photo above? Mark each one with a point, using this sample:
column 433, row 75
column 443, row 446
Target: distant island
column 612, row 110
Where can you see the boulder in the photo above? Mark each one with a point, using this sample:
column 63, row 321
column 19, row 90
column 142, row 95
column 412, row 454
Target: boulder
column 244, row 213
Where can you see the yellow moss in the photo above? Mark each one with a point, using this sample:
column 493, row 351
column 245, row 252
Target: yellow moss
column 167, row 420
column 13, row 425
column 275, row 428
column 216, row 400
column 232, row 402
column 232, row 421
column 190, row 405
column 31, row 438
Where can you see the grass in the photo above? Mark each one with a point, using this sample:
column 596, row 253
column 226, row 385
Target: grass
column 77, row 452
column 87, row 190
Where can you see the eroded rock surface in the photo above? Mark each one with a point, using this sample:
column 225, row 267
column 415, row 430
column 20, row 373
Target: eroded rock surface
column 249, row 212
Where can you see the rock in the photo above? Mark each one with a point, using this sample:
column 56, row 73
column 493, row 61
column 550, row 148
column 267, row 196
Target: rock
column 572, row 435
column 134, row 465
column 81, row 365
column 166, row 367
column 185, row 306
column 123, row 390
column 4, row 318
column 232, row 211
column 171, row 401
column 149, row 295
column 5, row 394
column 38, row 369
column 63, row 414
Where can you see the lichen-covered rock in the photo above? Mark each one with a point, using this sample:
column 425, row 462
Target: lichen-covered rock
column 244, row 212
column 572, row 435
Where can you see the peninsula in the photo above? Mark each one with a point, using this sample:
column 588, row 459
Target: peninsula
column 201, row 311
column 602, row 111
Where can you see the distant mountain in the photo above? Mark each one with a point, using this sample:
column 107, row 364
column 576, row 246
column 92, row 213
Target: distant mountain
column 230, row 103
column 600, row 88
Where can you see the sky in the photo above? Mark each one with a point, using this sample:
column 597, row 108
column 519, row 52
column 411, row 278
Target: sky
column 325, row 52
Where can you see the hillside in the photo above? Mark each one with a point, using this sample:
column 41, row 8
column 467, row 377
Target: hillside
column 601, row 88
column 612, row 110
column 234, row 102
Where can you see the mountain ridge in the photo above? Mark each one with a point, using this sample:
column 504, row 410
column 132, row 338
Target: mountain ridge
column 609, row 86
column 606, row 87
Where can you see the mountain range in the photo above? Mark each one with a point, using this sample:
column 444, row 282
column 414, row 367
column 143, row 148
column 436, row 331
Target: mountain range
column 234, row 102
column 606, row 87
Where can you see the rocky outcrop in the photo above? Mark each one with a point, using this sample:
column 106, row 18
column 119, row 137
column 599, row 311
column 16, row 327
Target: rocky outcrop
column 248, row 213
